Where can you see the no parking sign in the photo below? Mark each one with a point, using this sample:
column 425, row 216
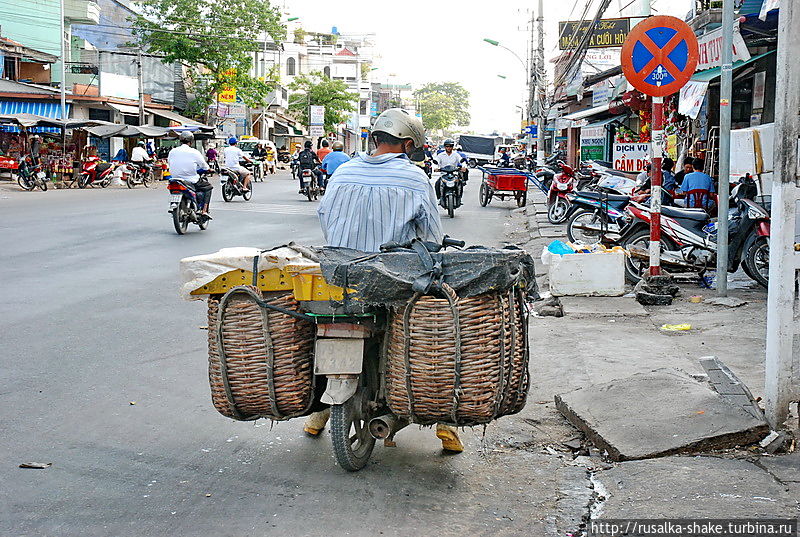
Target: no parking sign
column 659, row 56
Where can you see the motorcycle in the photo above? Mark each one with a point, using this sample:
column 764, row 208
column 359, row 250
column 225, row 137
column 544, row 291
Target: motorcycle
column 30, row 175
column 427, row 167
column 96, row 171
column 139, row 174
column 596, row 216
column 284, row 157
column 450, row 189
column 348, row 355
column 311, row 187
column 232, row 185
column 689, row 238
column 295, row 168
column 557, row 202
column 184, row 206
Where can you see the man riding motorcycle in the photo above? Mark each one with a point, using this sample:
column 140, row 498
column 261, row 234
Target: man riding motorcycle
column 378, row 198
column 233, row 155
column 450, row 157
column 184, row 163
column 308, row 160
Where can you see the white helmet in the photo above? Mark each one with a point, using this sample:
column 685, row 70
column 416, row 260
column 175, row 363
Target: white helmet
column 401, row 124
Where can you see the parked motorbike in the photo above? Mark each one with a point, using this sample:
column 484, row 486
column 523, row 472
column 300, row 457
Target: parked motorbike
column 184, row 206
column 231, row 184
column 450, row 189
column 557, row 202
column 96, row 171
column 689, row 238
column 30, row 175
column 139, row 174
column 596, row 216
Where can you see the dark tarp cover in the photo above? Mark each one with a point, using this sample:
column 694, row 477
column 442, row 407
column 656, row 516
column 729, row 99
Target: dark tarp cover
column 387, row 278
column 481, row 145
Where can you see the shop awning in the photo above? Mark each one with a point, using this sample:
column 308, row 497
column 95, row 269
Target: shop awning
column 43, row 109
column 604, row 122
column 589, row 112
column 125, row 108
column 128, row 131
column 711, row 74
column 173, row 116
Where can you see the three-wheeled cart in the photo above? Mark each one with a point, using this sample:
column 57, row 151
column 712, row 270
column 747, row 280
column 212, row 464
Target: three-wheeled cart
column 503, row 182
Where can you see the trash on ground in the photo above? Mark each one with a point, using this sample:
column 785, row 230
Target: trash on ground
column 728, row 301
column 695, row 299
column 36, row 465
column 676, row 327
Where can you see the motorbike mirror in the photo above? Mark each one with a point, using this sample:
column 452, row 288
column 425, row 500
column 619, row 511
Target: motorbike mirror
column 418, row 155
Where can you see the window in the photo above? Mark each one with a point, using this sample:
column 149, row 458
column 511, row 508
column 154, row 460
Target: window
column 327, row 71
column 362, row 109
column 290, row 66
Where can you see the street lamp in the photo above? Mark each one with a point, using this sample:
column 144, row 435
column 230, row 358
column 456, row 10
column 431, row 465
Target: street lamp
column 496, row 43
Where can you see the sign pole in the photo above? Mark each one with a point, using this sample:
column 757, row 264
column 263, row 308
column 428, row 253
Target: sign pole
column 655, row 183
column 725, row 93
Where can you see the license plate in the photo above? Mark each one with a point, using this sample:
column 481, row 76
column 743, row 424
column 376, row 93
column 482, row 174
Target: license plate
column 40, row 175
column 338, row 356
column 175, row 198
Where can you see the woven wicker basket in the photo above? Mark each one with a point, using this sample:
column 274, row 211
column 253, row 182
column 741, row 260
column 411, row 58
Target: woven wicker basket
column 267, row 367
column 458, row 361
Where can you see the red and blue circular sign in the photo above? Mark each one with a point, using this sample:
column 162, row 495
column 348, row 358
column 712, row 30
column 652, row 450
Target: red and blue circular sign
column 659, row 56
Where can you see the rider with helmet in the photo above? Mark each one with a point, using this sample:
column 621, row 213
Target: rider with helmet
column 233, row 155
column 184, row 164
column 382, row 197
column 449, row 157
column 308, row 160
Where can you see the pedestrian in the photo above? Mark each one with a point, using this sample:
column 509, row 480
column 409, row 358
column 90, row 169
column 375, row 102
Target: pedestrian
column 270, row 159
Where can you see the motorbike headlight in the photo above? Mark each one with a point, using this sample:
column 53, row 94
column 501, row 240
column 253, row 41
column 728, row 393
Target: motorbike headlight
column 562, row 186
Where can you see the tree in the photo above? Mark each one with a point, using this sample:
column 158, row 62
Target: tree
column 216, row 39
column 443, row 104
column 317, row 89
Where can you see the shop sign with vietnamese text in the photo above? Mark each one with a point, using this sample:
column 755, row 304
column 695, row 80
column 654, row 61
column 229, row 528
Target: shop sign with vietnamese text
column 593, row 143
column 608, row 33
column 709, row 49
column 631, row 157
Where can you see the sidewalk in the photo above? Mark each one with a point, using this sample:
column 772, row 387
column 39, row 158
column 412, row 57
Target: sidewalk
column 603, row 339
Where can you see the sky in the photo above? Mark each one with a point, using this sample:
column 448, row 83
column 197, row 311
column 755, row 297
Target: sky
column 431, row 41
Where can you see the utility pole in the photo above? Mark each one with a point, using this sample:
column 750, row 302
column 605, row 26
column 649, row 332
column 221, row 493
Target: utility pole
column 533, row 69
column 541, row 81
column 63, row 65
column 725, row 93
column 140, row 76
column 781, row 378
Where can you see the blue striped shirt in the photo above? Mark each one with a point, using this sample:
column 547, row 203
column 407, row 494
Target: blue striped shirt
column 370, row 201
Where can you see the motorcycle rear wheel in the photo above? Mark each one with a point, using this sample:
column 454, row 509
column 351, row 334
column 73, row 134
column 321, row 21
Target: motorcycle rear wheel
column 180, row 218
column 352, row 441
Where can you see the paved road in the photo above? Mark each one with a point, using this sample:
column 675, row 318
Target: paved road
column 92, row 323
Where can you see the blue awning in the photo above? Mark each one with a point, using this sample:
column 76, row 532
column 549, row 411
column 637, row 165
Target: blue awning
column 46, row 109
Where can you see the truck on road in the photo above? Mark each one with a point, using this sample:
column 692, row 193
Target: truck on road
column 478, row 149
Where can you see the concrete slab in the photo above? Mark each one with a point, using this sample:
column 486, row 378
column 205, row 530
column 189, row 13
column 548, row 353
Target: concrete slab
column 587, row 306
column 656, row 414
column 691, row 487
column 786, row 468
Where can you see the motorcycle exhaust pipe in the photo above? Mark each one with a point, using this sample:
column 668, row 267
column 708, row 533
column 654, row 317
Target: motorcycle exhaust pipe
column 386, row 426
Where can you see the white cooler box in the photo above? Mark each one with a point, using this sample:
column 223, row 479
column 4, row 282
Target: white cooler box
column 597, row 274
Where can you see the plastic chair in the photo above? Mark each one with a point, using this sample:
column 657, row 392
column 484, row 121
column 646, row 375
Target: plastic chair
column 701, row 198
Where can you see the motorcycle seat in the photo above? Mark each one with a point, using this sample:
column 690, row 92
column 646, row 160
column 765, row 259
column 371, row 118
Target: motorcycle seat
column 600, row 196
column 698, row 215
